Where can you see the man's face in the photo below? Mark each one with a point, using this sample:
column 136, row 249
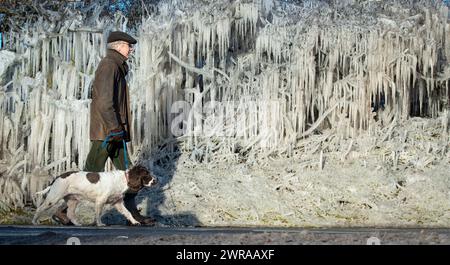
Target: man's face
column 125, row 49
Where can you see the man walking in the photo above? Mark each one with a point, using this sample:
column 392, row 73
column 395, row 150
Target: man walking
column 110, row 117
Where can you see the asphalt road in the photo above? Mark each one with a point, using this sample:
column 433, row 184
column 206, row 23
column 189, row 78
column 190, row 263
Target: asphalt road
column 125, row 235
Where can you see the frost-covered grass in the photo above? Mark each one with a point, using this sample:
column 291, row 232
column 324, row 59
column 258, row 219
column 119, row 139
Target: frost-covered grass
column 284, row 193
column 364, row 185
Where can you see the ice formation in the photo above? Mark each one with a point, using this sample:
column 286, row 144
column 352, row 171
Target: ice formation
column 285, row 70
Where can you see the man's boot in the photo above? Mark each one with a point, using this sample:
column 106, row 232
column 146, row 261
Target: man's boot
column 130, row 204
column 61, row 215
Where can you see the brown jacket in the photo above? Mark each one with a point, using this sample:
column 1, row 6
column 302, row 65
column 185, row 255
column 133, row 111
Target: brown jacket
column 110, row 106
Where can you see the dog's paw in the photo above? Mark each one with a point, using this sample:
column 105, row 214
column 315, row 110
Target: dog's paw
column 100, row 224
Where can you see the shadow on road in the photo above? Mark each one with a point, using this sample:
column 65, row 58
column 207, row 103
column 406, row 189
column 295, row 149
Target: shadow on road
column 164, row 162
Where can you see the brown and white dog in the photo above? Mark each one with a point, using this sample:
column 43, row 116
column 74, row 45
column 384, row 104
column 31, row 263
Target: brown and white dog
column 101, row 188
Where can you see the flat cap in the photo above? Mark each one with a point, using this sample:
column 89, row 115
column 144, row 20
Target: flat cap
column 119, row 35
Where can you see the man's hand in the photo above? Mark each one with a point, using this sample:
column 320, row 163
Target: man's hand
column 117, row 134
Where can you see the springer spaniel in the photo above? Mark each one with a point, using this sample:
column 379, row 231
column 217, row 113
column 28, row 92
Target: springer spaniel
column 101, row 188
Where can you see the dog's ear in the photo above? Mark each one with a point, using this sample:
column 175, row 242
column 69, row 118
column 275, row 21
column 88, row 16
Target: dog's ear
column 134, row 180
column 146, row 176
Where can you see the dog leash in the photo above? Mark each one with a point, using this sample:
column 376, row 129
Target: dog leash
column 121, row 133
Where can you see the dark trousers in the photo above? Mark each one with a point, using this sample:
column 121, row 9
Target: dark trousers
column 98, row 155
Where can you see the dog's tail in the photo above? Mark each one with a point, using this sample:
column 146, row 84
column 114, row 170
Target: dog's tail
column 46, row 190
column 42, row 192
